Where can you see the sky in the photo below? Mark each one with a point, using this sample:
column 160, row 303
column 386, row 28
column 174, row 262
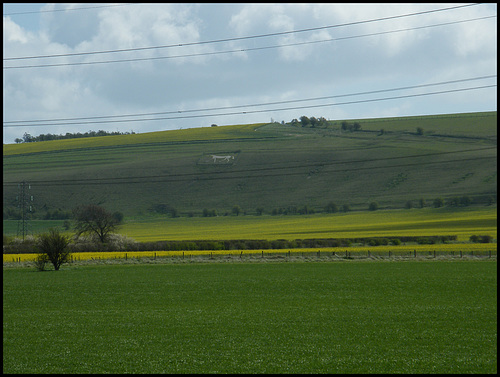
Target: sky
column 176, row 66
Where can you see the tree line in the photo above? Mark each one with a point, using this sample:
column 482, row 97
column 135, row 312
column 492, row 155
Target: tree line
column 322, row 122
column 27, row 138
column 13, row 213
column 95, row 231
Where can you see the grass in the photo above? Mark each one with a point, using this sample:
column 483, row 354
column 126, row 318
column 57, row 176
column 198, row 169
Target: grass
column 383, row 223
column 191, row 134
column 354, row 317
column 276, row 166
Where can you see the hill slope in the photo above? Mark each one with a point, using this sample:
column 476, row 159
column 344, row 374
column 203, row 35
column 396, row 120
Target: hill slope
column 264, row 166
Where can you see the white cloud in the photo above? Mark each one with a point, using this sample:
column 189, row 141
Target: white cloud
column 309, row 70
column 13, row 32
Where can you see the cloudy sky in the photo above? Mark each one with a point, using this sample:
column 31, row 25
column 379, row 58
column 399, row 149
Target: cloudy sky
column 151, row 67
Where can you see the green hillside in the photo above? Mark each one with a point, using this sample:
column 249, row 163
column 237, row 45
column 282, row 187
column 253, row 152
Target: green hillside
column 269, row 166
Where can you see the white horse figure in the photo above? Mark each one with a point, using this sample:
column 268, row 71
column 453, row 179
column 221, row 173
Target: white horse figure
column 222, row 158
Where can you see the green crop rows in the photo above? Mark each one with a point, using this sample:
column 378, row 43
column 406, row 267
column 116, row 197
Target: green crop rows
column 325, row 317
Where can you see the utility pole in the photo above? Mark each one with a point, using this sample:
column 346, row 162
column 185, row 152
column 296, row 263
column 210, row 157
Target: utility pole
column 25, row 204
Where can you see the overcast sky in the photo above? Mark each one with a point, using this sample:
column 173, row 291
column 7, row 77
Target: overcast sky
column 334, row 59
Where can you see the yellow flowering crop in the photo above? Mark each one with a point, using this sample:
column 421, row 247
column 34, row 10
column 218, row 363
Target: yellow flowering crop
column 448, row 249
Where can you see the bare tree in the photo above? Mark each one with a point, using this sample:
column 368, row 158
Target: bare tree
column 92, row 219
column 52, row 247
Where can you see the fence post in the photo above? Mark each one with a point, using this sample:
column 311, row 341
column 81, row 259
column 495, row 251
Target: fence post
column 125, row 256
column 262, row 253
column 434, row 253
column 460, row 253
column 414, row 253
column 489, row 254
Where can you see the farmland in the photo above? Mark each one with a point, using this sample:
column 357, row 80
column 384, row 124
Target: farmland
column 273, row 167
column 364, row 224
column 416, row 222
column 356, row 317
column 406, row 308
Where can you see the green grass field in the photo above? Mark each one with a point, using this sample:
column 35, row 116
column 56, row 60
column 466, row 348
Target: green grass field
column 275, row 166
column 336, row 317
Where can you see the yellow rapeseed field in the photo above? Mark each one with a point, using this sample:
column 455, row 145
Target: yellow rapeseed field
column 440, row 249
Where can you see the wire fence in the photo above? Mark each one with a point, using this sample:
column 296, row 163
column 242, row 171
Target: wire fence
column 273, row 255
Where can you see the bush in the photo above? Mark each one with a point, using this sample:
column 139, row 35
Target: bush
column 331, row 208
column 480, row 239
column 40, row 262
column 19, row 246
column 53, row 247
column 438, row 202
column 425, row 241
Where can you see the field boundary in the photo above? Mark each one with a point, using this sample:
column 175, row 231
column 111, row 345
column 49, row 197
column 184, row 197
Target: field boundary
column 237, row 256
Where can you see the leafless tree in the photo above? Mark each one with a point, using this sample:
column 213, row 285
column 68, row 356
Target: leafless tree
column 92, row 219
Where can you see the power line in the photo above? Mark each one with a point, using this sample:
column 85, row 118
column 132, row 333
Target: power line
column 234, row 50
column 238, row 38
column 274, row 174
column 243, row 106
column 276, row 171
column 256, row 111
column 68, row 9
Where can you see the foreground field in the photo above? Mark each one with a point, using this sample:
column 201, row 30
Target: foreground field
column 340, row 317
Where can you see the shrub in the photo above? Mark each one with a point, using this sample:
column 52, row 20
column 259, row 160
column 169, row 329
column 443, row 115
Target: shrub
column 53, row 247
column 40, row 262
column 425, row 241
column 474, row 238
column 480, row 239
column 485, row 239
column 331, row 207
column 438, row 202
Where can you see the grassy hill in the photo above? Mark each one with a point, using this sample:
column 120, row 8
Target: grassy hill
column 270, row 166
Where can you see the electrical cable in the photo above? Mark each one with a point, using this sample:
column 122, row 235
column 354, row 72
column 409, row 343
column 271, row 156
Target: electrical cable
column 67, row 9
column 217, row 174
column 24, row 122
column 241, row 49
column 260, row 111
column 245, row 37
